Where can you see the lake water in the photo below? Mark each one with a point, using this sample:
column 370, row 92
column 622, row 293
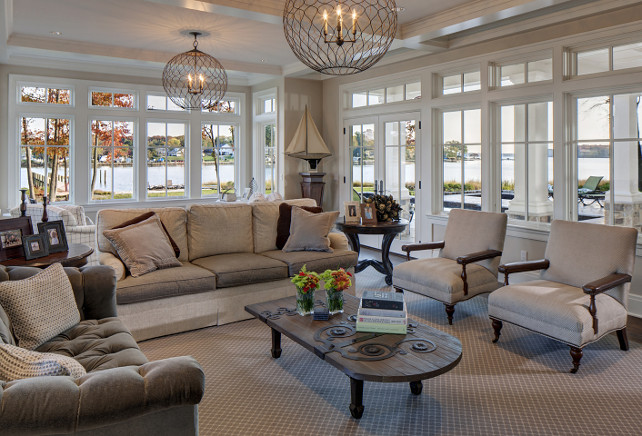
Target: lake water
column 452, row 171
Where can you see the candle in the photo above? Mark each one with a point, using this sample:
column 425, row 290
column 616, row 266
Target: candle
column 354, row 23
column 339, row 25
column 189, row 82
column 325, row 23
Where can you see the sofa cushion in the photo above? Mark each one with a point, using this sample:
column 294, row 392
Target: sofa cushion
column 556, row 310
column 284, row 221
column 317, row 261
column 144, row 247
column 164, row 283
column 265, row 222
column 309, row 231
column 174, row 219
column 39, row 307
column 219, row 229
column 97, row 345
column 440, row 278
column 243, row 268
column 17, row 363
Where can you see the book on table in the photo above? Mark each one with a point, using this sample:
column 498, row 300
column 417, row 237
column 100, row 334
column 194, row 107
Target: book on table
column 383, row 300
column 382, row 312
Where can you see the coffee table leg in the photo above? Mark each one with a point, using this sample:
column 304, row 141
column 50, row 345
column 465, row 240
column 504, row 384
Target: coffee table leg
column 276, row 344
column 416, row 387
column 356, row 398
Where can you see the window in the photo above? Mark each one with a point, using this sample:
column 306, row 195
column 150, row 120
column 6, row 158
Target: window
column 461, row 145
column 609, row 168
column 525, row 72
column 219, row 145
column 458, row 83
column 526, row 132
column 362, row 150
column 270, row 158
column 227, row 106
column 45, row 157
column 166, row 159
column 35, row 94
column 605, row 59
column 391, row 94
column 112, row 160
column 123, row 100
column 161, row 103
column 268, row 105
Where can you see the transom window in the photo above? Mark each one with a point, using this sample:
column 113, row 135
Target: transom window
column 391, row 94
column 524, row 72
column 462, row 82
column 161, row 103
column 123, row 100
column 37, row 94
column 604, row 59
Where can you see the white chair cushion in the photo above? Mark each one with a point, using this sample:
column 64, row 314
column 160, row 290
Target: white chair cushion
column 440, row 278
column 556, row 310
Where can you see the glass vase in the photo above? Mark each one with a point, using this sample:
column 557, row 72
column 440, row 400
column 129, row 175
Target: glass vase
column 304, row 302
column 334, row 301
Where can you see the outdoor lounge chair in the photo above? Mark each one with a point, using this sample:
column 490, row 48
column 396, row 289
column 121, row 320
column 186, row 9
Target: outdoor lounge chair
column 589, row 191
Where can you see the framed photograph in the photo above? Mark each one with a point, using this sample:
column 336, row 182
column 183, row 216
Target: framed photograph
column 368, row 213
column 352, row 212
column 12, row 234
column 54, row 234
column 35, row 246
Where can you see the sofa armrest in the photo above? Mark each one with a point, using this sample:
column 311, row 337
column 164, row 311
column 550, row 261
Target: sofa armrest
column 338, row 241
column 95, row 289
column 113, row 261
column 62, row 405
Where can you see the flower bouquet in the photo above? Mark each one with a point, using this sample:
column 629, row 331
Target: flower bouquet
column 336, row 281
column 387, row 207
column 306, row 283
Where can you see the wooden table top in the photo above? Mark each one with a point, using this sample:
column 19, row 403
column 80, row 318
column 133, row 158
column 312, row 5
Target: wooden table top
column 76, row 254
column 404, row 364
column 380, row 228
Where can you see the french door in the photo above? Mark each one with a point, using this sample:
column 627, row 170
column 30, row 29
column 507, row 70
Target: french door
column 383, row 154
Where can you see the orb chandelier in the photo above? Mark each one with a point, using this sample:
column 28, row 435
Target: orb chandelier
column 195, row 80
column 340, row 37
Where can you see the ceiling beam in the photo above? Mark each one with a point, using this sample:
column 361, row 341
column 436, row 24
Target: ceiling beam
column 109, row 51
column 265, row 11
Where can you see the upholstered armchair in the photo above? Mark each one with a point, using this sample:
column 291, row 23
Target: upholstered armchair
column 78, row 227
column 582, row 291
column 467, row 264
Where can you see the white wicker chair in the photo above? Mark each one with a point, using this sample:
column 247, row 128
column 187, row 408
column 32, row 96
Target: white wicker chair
column 78, row 227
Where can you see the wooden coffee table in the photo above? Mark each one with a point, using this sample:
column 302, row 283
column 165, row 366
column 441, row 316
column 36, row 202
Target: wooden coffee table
column 423, row 353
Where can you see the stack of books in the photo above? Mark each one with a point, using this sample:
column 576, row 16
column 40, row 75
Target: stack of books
column 382, row 312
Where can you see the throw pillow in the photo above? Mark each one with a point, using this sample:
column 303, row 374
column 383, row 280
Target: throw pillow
column 143, row 247
column 309, row 231
column 40, row 307
column 17, row 363
column 285, row 218
column 143, row 217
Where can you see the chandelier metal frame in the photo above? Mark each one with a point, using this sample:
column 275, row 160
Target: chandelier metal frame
column 340, row 37
column 195, row 80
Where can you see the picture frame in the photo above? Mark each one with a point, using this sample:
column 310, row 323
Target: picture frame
column 352, row 212
column 368, row 214
column 10, row 228
column 35, row 246
column 54, row 235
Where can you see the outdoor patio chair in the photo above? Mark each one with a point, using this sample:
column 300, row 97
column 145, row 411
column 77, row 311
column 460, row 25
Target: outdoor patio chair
column 467, row 264
column 589, row 191
column 582, row 291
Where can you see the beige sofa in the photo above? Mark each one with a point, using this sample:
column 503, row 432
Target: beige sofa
column 229, row 257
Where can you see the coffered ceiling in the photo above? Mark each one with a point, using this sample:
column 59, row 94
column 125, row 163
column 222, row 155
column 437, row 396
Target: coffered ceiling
column 140, row 36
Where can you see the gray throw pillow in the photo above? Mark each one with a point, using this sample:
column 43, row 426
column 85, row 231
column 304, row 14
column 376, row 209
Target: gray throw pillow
column 143, row 247
column 17, row 363
column 309, row 231
column 40, row 307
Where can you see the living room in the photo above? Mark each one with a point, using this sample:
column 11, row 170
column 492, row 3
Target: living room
column 528, row 109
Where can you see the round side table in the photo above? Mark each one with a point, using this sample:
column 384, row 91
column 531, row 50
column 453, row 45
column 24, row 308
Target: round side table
column 389, row 230
column 76, row 257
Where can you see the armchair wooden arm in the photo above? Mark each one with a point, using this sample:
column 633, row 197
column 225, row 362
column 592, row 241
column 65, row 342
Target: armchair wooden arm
column 417, row 247
column 474, row 257
column 602, row 285
column 517, row 267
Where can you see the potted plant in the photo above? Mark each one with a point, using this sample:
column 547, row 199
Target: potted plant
column 306, row 283
column 336, row 281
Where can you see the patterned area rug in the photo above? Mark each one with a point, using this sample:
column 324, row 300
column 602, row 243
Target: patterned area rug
column 520, row 386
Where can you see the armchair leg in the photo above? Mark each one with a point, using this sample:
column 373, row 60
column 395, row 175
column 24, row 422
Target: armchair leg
column 624, row 340
column 576, row 354
column 450, row 310
column 397, row 289
column 497, row 326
